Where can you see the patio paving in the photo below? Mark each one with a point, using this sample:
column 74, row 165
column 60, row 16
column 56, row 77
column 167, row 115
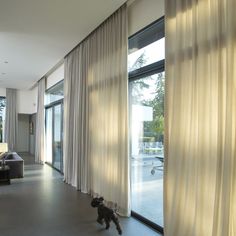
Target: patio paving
column 147, row 188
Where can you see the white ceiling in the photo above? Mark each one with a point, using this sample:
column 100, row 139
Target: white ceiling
column 36, row 34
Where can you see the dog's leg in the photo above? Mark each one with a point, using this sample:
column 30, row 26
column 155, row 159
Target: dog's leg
column 100, row 220
column 117, row 223
column 107, row 221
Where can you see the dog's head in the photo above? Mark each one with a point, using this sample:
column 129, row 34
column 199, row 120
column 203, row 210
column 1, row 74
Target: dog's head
column 97, row 201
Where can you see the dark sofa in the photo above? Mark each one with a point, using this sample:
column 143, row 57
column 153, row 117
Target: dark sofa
column 16, row 164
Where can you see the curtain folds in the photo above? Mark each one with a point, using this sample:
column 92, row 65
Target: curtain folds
column 95, row 113
column 200, row 118
column 40, row 127
column 11, row 119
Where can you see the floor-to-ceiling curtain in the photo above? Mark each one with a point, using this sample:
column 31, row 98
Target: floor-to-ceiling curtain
column 75, row 121
column 95, row 119
column 40, row 124
column 200, row 118
column 11, row 119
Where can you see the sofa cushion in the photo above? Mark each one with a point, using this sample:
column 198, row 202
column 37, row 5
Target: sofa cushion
column 16, row 164
column 9, row 156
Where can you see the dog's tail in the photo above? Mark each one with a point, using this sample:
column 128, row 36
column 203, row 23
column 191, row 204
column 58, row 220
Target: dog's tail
column 115, row 208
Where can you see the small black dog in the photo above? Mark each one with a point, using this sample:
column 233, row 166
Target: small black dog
column 105, row 214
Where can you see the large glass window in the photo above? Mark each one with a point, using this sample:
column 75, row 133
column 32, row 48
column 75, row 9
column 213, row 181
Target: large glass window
column 2, row 117
column 57, row 139
column 147, row 55
column 55, row 93
column 146, row 93
column 49, row 133
column 54, row 126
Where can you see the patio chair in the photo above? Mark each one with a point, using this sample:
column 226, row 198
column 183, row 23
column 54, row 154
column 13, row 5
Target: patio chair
column 158, row 167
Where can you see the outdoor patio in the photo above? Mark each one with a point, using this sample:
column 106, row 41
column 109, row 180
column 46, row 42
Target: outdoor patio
column 147, row 187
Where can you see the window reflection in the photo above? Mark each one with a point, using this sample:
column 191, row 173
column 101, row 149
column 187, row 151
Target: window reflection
column 147, row 152
column 139, row 58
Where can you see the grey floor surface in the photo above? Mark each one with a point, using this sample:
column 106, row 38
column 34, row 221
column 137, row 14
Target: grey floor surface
column 147, row 188
column 40, row 204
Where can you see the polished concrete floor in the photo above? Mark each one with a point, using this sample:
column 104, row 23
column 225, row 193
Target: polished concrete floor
column 40, row 204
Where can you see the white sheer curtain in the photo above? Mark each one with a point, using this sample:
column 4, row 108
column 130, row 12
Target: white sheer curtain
column 200, row 141
column 75, row 121
column 40, row 124
column 11, row 119
column 96, row 132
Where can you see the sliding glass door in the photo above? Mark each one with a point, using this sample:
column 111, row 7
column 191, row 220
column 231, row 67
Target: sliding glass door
column 57, row 138
column 2, row 117
column 54, row 119
column 49, row 134
column 54, row 125
column 147, row 152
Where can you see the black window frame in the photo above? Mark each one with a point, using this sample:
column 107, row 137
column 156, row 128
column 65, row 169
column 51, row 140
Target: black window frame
column 156, row 67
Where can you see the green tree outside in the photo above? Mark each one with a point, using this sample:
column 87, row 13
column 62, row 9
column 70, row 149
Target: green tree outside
column 154, row 128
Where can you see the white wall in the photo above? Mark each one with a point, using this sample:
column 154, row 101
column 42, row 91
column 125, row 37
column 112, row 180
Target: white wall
column 3, row 92
column 27, row 101
column 55, row 77
column 143, row 12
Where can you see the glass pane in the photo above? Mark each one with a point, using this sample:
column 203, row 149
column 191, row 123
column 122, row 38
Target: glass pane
column 55, row 93
column 49, row 135
column 2, row 117
column 147, row 152
column 57, row 137
column 147, row 55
